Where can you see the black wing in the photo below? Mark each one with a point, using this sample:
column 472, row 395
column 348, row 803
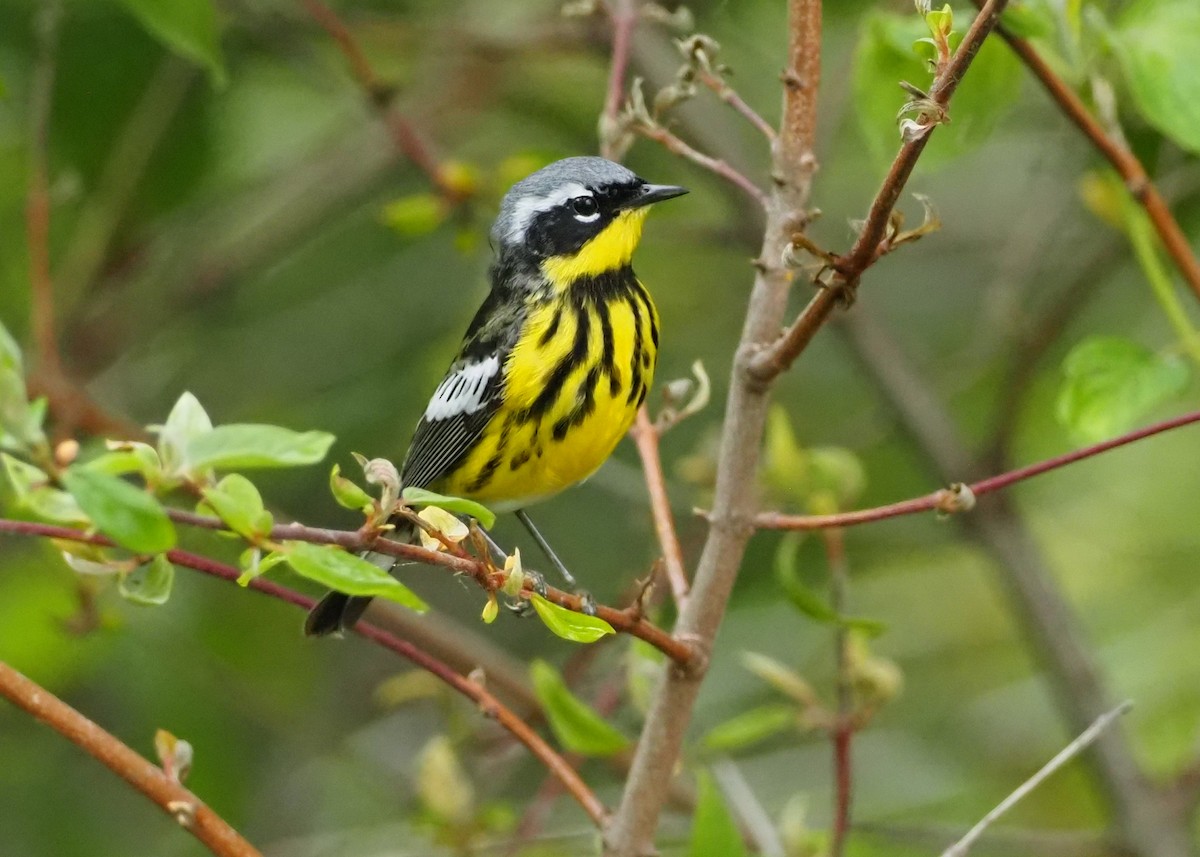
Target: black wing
column 468, row 396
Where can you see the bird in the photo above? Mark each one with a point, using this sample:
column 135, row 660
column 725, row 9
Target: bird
column 555, row 363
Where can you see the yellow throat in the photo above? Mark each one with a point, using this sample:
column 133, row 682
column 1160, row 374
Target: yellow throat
column 611, row 250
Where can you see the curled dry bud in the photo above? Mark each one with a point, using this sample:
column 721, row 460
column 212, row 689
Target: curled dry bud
column 381, row 472
column 957, row 498
column 174, row 754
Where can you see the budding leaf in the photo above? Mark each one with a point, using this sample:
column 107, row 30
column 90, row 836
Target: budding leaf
column 238, row 504
column 713, row 829
column 420, row 497
column 149, row 584
column 808, row 601
column 242, row 446
column 187, row 421
column 345, row 572
column 128, row 515
column 347, row 494
column 1111, row 383
column 189, row 28
column 415, row 215
column 576, row 627
column 576, row 724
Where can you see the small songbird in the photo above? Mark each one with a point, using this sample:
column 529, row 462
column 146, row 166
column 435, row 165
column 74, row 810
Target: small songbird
column 556, row 362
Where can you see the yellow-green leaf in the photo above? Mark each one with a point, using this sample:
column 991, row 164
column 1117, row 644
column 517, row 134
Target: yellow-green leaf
column 576, row 724
column 568, row 624
column 414, row 496
column 345, row 572
column 128, row 515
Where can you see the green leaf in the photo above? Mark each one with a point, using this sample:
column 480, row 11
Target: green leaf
column 750, row 727
column 237, row 502
column 245, row 446
column 20, row 421
column 808, row 601
column 51, row 504
column 885, row 56
column 576, row 627
column 149, row 584
column 415, row 215
column 345, row 572
column 576, row 725
column 126, row 514
column 347, row 494
column 1151, row 39
column 187, row 421
column 781, row 677
column 420, row 497
column 1111, row 383
column 22, row 475
column 128, row 457
column 714, row 833
column 187, row 27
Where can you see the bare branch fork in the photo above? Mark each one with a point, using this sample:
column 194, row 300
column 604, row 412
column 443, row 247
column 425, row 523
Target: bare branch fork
column 961, row 497
column 486, row 701
column 869, row 246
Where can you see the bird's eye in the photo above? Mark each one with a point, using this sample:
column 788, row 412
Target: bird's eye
column 585, row 208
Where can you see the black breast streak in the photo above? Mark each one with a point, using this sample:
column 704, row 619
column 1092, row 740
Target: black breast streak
column 562, row 371
column 551, row 328
column 608, row 358
column 636, row 379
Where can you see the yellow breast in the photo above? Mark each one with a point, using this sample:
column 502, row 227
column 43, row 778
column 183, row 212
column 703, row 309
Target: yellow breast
column 573, row 384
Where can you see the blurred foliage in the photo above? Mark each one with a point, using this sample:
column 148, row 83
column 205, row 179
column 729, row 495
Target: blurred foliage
column 229, row 217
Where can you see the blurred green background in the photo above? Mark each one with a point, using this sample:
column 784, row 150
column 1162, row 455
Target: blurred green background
column 232, row 238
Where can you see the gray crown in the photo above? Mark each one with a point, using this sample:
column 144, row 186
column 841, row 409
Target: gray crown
column 550, row 186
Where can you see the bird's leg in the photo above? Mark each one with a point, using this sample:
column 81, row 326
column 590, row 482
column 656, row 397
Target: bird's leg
column 498, row 554
column 523, row 517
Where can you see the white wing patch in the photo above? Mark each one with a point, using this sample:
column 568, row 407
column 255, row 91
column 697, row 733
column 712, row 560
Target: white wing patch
column 462, row 392
column 529, row 207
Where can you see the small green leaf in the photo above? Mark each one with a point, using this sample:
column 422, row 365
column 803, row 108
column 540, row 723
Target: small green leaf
column 490, row 610
column 245, row 446
column 345, row 572
column 714, row 833
column 808, row 601
column 149, row 584
column 237, row 502
column 20, row 420
column 347, row 494
column 576, row 627
column 781, row 677
column 885, row 56
column 22, row 475
column 128, row 515
column 1150, row 39
column 420, row 497
column 576, row 725
column 51, row 504
column 128, row 457
column 415, row 215
column 1111, row 383
column 750, row 727
column 254, row 564
column 187, row 421
column 187, row 27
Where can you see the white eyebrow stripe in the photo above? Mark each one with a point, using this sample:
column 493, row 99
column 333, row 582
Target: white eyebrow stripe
column 463, row 391
column 526, row 209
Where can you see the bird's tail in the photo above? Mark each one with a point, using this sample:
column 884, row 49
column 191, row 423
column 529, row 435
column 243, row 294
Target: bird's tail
column 337, row 611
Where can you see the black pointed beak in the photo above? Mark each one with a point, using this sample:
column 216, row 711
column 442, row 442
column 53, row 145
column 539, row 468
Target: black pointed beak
column 649, row 194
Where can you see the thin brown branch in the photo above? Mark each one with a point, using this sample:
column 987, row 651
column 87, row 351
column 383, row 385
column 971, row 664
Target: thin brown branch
column 37, row 201
column 869, row 245
column 730, row 96
column 953, row 500
column 1137, row 181
column 677, row 146
column 626, row 621
column 405, row 137
column 646, row 436
column 843, row 729
column 631, row 830
column 623, row 16
column 191, row 813
column 487, row 702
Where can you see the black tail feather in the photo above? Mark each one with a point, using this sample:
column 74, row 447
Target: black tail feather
column 334, row 613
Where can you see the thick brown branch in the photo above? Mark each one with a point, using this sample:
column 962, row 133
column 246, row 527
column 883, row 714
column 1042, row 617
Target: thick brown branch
column 192, row 814
column 646, row 436
column 869, row 245
column 488, row 704
column 1116, row 153
column 951, row 500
